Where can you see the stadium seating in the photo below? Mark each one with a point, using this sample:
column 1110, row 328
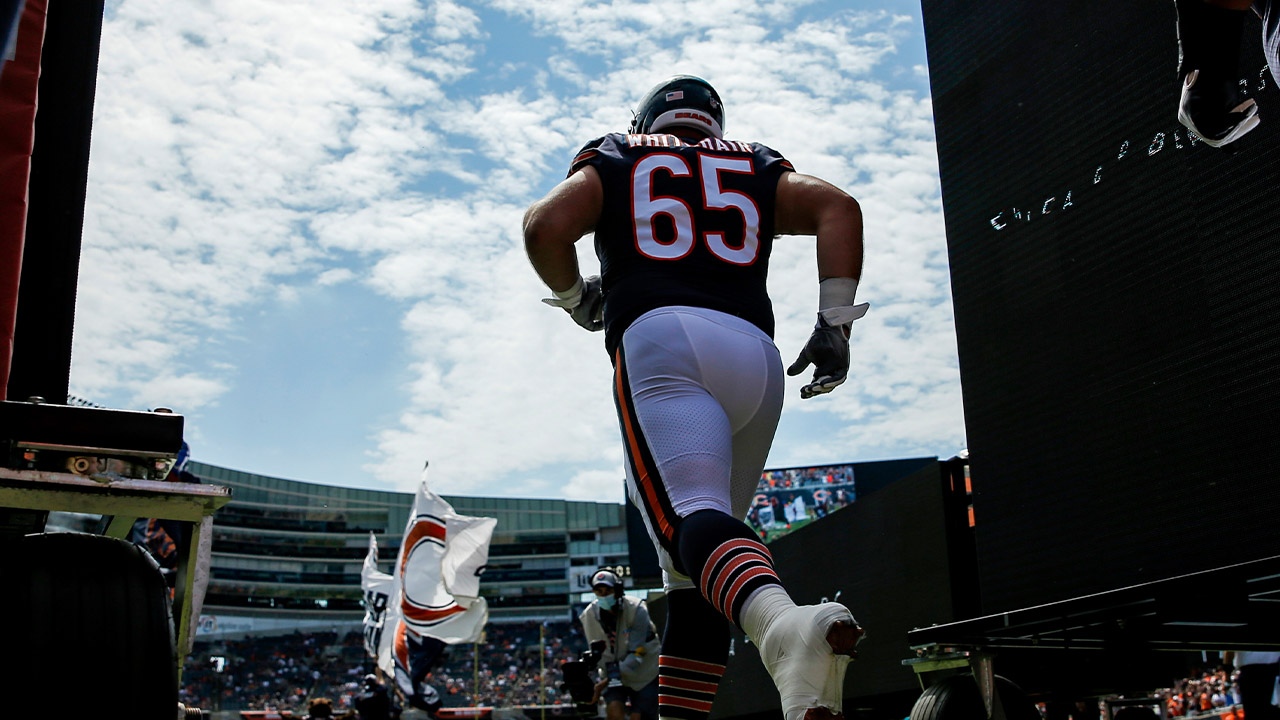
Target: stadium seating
column 282, row 672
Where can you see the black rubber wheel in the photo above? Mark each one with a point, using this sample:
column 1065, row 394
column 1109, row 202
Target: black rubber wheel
column 95, row 628
column 957, row 698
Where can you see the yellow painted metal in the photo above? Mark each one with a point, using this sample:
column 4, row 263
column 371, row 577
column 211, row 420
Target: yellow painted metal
column 120, row 526
column 184, row 605
column 38, row 490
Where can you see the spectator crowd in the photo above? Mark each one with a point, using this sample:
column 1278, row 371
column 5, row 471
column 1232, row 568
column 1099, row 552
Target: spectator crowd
column 1207, row 693
column 795, row 478
column 284, row 672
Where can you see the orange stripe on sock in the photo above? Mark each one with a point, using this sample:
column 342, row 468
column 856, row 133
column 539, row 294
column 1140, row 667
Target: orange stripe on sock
column 725, row 548
column 752, row 549
column 683, row 684
column 683, row 702
column 742, row 580
column 727, row 573
column 644, row 480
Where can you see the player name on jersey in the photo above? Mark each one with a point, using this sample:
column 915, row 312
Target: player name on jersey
column 673, row 141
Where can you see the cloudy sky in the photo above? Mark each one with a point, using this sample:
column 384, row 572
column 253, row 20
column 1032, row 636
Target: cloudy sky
column 303, row 227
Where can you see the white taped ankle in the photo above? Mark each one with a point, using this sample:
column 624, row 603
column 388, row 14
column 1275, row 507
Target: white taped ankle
column 761, row 608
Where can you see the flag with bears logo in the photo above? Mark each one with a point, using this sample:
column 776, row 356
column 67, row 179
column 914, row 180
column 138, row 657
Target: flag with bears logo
column 432, row 596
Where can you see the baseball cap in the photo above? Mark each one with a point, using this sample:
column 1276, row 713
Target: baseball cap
column 604, row 577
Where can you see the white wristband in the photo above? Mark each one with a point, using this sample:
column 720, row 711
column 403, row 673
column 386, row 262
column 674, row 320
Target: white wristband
column 835, row 301
column 571, row 297
column 836, row 292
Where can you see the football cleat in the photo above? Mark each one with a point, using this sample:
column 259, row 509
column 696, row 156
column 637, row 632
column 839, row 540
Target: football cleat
column 1211, row 111
column 806, row 651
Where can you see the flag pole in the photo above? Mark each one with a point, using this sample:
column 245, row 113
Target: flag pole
column 475, row 678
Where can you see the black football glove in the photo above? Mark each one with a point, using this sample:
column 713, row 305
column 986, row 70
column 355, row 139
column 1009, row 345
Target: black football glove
column 587, row 309
column 828, row 351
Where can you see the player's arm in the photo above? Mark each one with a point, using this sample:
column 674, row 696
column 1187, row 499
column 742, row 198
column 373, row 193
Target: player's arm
column 552, row 226
column 806, row 205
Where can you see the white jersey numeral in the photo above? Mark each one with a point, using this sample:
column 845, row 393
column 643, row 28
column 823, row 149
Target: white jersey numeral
column 646, row 207
column 715, row 197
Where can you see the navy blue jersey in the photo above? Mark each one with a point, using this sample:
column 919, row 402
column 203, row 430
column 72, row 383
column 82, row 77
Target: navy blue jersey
column 683, row 224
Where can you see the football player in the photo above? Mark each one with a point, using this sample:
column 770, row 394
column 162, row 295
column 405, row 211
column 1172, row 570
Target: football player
column 684, row 222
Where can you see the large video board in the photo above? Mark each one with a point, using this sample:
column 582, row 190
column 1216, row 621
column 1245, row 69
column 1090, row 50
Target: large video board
column 1117, row 297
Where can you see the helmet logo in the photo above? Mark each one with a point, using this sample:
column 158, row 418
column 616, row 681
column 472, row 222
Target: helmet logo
column 693, row 116
column 677, row 95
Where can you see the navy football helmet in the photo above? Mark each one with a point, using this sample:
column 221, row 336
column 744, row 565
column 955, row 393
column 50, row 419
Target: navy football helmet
column 681, row 101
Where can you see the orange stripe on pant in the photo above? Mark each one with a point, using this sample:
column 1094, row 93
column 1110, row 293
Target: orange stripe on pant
column 633, row 444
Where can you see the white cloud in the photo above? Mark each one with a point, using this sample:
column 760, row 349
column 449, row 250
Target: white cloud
column 243, row 151
column 336, row 276
column 177, row 392
column 597, row 485
column 452, row 22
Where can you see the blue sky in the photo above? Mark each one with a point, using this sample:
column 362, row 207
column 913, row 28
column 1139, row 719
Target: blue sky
column 302, row 228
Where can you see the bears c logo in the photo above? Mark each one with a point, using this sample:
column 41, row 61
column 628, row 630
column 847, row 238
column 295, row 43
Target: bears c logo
column 424, row 601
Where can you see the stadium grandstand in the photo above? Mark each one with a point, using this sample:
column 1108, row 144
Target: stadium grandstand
column 281, row 621
column 287, row 554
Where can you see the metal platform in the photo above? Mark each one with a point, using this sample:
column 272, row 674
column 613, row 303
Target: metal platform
column 1097, row 644
column 1231, row 607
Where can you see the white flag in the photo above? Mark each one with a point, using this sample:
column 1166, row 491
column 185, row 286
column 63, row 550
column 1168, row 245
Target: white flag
column 431, row 598
column 441, row 559
column 380, row 617
column 466, row 553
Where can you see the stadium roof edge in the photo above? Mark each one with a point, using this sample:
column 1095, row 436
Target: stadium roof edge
column 399, row 495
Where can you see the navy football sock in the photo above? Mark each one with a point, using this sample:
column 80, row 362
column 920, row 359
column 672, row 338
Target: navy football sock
column 725, row 559
column 695, row 648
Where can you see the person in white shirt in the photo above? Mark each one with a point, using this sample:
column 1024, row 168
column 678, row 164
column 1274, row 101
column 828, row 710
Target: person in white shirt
column 630, row 656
